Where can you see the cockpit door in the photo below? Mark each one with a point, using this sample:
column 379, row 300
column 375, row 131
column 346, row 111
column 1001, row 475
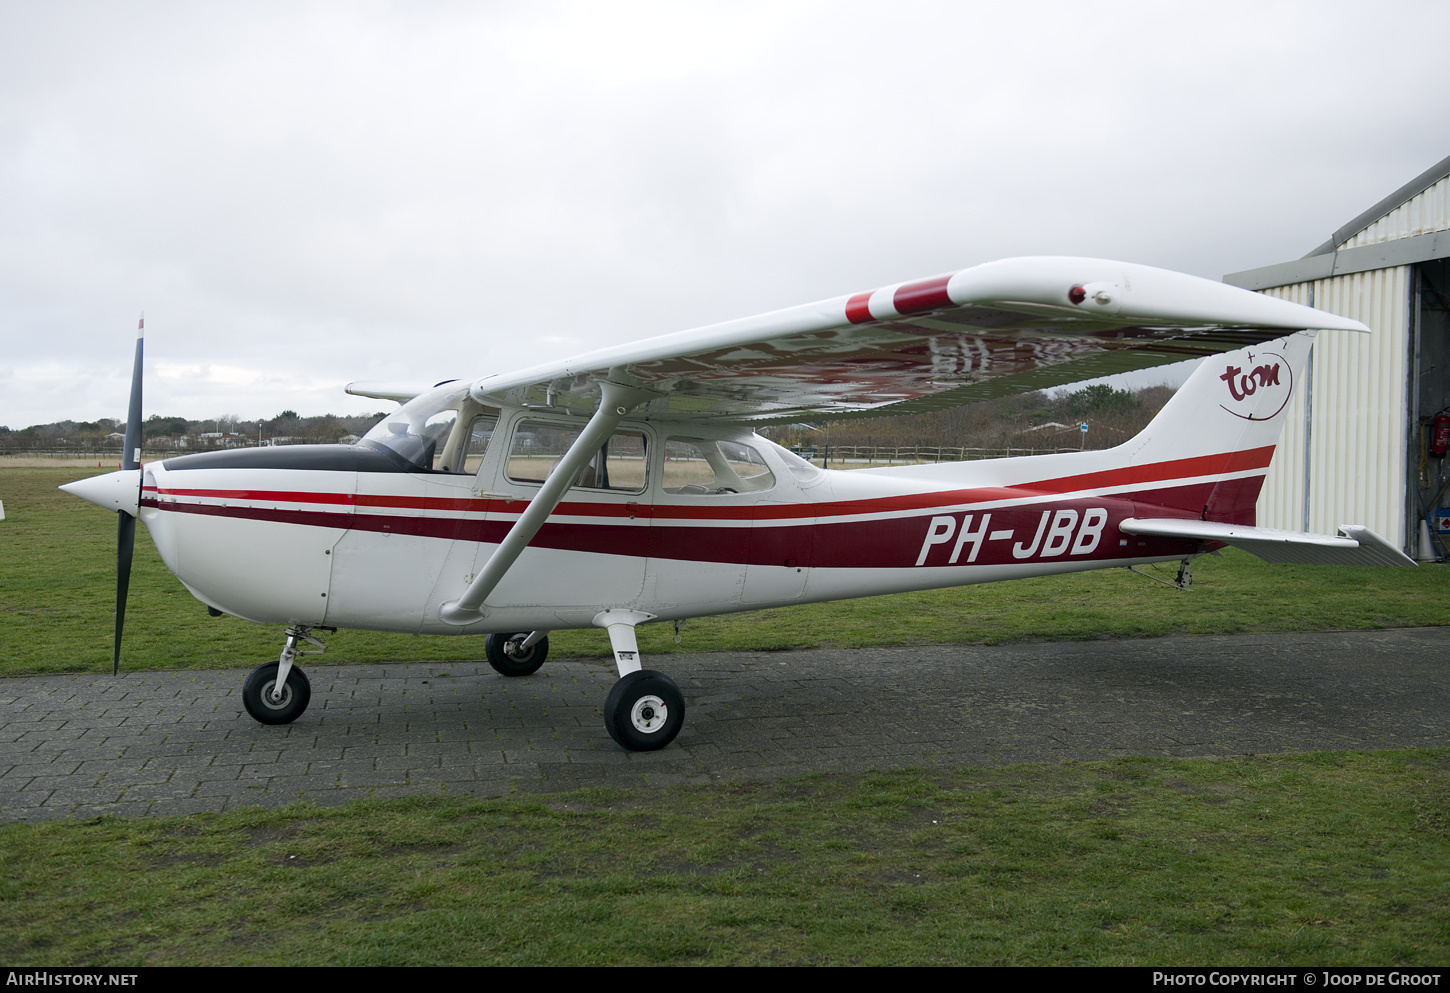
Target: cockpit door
column 592, row 549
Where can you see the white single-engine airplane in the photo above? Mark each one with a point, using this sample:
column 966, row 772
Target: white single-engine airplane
column 628, row 485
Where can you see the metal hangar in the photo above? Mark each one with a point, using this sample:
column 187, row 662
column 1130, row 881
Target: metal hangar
column 1362, row 443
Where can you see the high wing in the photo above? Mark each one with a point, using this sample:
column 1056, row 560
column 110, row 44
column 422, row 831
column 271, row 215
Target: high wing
column 993, row 330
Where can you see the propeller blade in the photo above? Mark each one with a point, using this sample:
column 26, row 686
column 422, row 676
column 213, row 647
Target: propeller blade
column 126, row 526
column 125, row 548
column 131, row 450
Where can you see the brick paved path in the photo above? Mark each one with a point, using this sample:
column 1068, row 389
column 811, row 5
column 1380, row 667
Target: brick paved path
column 179, row 742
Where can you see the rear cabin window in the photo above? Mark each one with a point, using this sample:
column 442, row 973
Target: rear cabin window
column 538, row 446
column 701, row 467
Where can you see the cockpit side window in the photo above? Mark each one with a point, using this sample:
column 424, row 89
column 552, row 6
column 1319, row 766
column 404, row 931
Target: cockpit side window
column 469, row 445
column 479, row 435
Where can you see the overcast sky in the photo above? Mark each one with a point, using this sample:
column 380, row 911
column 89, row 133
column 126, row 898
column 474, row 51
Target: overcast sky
column 299, row 195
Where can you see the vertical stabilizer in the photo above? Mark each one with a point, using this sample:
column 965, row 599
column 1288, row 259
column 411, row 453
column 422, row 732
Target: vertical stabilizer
column 1224, row 424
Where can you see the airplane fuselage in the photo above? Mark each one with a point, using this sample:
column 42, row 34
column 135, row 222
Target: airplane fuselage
column 327, row 535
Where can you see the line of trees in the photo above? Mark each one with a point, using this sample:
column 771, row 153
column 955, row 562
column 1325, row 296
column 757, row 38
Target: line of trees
column 161, row 433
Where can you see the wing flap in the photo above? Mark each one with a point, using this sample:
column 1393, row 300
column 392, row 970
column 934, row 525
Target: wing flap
column 1355, row 545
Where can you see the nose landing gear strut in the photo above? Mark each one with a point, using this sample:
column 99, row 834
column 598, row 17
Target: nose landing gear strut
column 278, row 692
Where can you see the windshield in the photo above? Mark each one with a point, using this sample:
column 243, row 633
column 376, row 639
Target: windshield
column 418, row 430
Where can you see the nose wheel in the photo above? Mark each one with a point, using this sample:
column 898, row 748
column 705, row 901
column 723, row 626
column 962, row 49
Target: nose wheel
column 278, row 692
column 516, row 654
column 644, row 711
column 269, row 705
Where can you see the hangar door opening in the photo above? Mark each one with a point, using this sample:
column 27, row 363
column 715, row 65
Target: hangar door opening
column 1429, row 421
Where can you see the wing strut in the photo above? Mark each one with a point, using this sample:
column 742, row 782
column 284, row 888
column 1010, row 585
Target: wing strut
column 614, row 402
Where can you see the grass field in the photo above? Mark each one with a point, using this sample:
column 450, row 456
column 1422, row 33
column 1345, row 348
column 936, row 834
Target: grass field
column 1325, row 858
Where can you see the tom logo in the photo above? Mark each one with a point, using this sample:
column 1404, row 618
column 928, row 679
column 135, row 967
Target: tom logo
column 1262, row 389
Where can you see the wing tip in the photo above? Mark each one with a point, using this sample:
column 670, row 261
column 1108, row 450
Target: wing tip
column 399, row 392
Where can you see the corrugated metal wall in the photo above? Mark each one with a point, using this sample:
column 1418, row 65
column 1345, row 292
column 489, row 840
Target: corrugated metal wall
column 1422, row 213
column 1357, row 471
column 1281, row 502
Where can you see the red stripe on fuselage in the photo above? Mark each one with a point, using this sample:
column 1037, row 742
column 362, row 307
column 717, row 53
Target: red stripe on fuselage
column 308, row 518
column 894, row 542
column 276, row 496
column 1204, row 465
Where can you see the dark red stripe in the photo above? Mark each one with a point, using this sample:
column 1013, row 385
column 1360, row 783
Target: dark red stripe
column 891, row 543
column 278, row 496
column 1205, row 465
column 467, row 505
column 926, row 294
column 858, row 310
column 307, row 518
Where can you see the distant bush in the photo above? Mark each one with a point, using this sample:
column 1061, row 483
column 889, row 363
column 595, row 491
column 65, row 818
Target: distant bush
column 1099, row 398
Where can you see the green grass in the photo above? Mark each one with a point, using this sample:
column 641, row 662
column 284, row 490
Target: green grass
column 1320, row 859
column 57, row 582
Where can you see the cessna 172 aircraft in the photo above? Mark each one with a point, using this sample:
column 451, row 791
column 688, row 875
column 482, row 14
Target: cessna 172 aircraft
column 628, row 485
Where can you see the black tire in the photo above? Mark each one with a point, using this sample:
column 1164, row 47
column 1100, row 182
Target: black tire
column 257, row 691
column 644, row 711
column 525, row 663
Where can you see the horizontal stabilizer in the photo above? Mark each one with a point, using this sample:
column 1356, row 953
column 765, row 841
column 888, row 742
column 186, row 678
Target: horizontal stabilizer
column 1356, row 544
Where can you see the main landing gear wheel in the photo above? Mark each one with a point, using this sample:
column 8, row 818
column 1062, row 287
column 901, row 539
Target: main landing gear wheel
column 258, row 699
column 506, row 657
column 644, row 711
